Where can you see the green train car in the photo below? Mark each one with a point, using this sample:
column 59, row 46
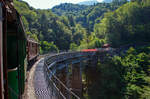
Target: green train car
column 13, row 61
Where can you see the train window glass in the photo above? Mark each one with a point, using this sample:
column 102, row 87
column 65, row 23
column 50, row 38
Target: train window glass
column 12, row 51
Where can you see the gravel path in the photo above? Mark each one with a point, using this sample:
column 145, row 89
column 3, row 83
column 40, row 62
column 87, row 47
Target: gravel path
column 36, row 86
column 30, row 92
column 41, row 88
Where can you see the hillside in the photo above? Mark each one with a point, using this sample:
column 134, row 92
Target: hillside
column 79, row 25
column 87, row 16
column 119, row 23
column 52, row 31
column 88, row 2
column 65, row 24
column 122, row 27
column 69, row 8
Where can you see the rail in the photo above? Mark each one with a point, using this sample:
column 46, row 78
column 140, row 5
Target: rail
column 54, row 83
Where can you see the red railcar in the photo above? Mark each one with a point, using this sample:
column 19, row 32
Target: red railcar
column 89, row 50
column 32, row 50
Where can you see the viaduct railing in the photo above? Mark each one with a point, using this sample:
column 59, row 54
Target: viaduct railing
column 54, row 84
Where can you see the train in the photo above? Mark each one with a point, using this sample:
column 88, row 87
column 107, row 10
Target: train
column 104, row 47
column 32, row 52
column 16, row 52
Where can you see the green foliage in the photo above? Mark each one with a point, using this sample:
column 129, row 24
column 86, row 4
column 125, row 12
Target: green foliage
column 91, row 42
column 85, row 27
column 129, row 23
column 34, row 36
column 87, row 16
column 74, row 25
column 45, row 26
column 123, row 77
column 113, row 23
column 133, row 69
column 68, row 9
column 48, row 47
column 73, row 47
column 79, row 33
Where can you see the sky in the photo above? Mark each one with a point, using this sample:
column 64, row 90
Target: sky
column 46, row 4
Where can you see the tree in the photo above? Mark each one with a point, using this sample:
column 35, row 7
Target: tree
column 122, row 27
column 48, row 47
column 73, row 47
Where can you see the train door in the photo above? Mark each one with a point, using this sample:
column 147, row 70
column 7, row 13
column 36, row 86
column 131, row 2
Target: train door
column 1, row 56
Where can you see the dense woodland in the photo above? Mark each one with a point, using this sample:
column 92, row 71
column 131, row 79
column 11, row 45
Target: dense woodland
column 75, row 27
column 67, row 26
column 122, row 77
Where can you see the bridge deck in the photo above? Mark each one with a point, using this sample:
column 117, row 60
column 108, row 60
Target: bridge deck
column 41, row 87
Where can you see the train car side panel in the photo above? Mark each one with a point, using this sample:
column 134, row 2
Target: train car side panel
column 13, row 48
column 16, row 44
column 33, row 50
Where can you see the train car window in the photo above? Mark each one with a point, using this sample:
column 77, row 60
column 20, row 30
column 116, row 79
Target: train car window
column 12, row 51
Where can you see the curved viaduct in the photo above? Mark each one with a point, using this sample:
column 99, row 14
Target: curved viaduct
column 63, row 72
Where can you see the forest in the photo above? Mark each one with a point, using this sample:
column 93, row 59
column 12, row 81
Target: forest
column 80, row 27
column 72, row 27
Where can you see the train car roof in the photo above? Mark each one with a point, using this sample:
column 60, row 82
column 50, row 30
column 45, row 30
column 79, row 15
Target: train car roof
column 14, row 22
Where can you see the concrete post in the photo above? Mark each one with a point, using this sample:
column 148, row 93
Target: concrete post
column 76, row 79
column 68, row 80
column 63, row 78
